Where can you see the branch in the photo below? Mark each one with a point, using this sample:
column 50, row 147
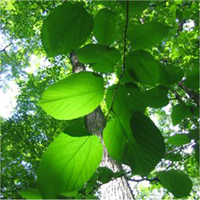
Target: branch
column 124, row 59
column 3, row 50
column 144, row 179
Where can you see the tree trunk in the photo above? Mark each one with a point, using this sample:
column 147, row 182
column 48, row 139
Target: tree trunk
column 118, row 189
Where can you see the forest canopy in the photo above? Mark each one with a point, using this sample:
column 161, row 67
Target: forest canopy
column 108, row 98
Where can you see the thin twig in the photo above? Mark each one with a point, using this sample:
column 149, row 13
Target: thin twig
column 3, row 50
column 124, row 60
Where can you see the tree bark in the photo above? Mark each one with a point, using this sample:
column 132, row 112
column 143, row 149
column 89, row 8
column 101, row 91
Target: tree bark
column 95, row 122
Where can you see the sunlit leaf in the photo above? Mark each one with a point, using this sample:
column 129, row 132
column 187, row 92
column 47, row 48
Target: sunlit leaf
column 176, row 182
column 66, row 29
column 68, row 163
column 30, row 193
column 102, row 58
column 74, row 96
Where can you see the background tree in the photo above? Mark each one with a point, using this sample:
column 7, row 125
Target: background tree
column 170, row 90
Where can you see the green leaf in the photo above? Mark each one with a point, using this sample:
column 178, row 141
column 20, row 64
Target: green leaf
column 77, row 131
column 173, row 157
column 30, row 193
column 105, row 26
column 142, row 67
column 179, row 139
column 105, row 174
column 156, row 97
column 170, row 75
column 194, row 134
column 147, row 35
column 135, row 7
column 176, row 182
column 66, row 29
column 130, row 95
column 197, row 153
column 102, row 58
column 68, row 163
column 180, row 112
column 138, row 144
column 74, row 96
column 192, row 79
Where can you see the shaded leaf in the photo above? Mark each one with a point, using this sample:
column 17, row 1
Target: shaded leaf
column 105, row 174
column 194, row 134
column 156, row 97
column 66, row 29
column 138, row 144
column 142, row 67
column 180, row 112
column 179, row 139
column 173, row 157
column 105, row 26
column 102, row 58
column 170, row 75
column 77, row 131
column 68, row 163
column 176, row 182
column 74, row 96
column 130, row 95
column 30, row 193
column 147, row 35
column 192, row 79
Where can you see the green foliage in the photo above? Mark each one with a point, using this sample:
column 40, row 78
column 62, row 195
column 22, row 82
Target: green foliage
column 74, row 96
column 178, row 139
column 31, row 193
column 63, row 30
column 156, row 97
column 148, row 46
column 104, row 26
column 142, row 67
column 101, row 58
column 176, row 182
column 147, row 35
column 67, row 164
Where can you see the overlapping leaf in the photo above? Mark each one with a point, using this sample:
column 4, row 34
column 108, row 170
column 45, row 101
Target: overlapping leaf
column 176, row 182
column 137, row 143
column 156, row 97
column 30, row 193
column 105, row 26
column 68, row 163
column 102, row 58
column 74, row 96
column 179, row 139
column 147, row 35
column 66, row 29
column 142, row 67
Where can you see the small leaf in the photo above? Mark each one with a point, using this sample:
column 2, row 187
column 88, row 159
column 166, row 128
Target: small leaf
column 66, row 29
column 173, row 157
column 176, row 182
column 30, row 193
column 68, row 163
column 102, row 58
column 138, row 144
column 130, row 95
column 179, row 139
column 147, row 35
column 192, row 79
column 194, row 134
column 156, row 97
column 142, row 67
column 74, row 96
column 170, row 75
column 77, row 131
column 105, row 26
column 105, row 174
column 180, row 112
